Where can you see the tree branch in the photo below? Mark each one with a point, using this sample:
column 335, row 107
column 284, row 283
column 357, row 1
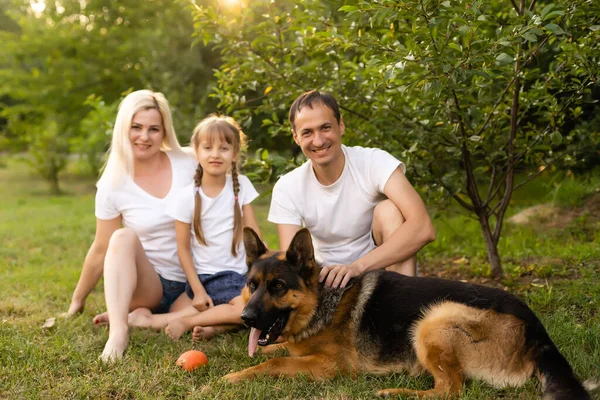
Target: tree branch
column 539, row 172
column 450, row 191
column 354, row 113
column 491, row 186
column 510, row 146
column 497, row 104
column 532, row 5
column 472, row 189
column 516, row 7
column 427, row 20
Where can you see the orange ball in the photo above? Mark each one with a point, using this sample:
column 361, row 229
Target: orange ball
column 192, row 359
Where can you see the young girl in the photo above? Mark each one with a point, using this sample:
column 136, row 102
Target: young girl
column 210, row 214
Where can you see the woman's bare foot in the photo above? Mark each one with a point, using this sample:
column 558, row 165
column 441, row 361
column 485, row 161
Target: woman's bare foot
column 101, row 319
column 206, row 332
column 175, row 329
column 115, row 346
column 140, row 318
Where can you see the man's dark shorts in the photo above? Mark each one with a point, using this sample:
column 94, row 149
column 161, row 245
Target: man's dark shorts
column 221, row 287
column 171, row 291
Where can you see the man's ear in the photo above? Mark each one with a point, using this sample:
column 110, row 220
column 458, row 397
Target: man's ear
column 254, row 246
column 342, row 125
column 295, row 136
column 301, row 252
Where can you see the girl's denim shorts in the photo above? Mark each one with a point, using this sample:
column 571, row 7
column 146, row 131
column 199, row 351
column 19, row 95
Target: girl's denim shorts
column 221, row 287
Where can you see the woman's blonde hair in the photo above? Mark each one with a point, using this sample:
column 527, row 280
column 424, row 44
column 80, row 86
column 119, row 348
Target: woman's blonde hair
column 226, row 130
column 119, row 164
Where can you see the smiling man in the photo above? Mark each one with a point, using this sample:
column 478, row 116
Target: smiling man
column 361, row 210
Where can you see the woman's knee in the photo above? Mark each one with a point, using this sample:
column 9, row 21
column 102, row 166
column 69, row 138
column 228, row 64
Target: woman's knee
column 122, row 237
column 122, row 242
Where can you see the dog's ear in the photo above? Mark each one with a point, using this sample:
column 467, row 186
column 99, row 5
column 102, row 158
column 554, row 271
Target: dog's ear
column 254, row 246
column 301, row 252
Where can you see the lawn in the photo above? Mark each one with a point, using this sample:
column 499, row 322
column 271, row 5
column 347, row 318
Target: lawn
column 554, row 266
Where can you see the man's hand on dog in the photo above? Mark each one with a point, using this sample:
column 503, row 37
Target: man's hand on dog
column 338, row 275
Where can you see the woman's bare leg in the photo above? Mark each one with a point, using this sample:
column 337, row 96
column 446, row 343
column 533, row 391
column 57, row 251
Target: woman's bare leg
column 130, row 282
column 142, row 317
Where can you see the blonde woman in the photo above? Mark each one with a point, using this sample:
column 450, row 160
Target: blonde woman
column 135, row 246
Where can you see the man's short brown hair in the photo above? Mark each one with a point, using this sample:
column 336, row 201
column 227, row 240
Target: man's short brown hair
column 308, row 99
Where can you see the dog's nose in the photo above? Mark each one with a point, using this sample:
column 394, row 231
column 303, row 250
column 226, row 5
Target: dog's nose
column 249, row 317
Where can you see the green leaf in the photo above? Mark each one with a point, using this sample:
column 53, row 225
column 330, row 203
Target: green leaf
column 553, row 14
column 504, row 58
column 557, row 30
column 455, row 47
column 530, row 37
column 537, row 31
column 556, row 138
column 348, row 8
column 546, row 10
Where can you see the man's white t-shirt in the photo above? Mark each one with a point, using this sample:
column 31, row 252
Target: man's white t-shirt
column 147, row 215
column 217, row 226
column 339, row 216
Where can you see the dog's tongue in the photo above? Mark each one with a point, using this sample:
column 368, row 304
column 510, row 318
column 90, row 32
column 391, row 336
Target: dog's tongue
column 253, row 340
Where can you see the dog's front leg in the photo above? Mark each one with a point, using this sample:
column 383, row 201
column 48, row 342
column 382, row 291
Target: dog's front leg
column 272, row 348
column 313, row 366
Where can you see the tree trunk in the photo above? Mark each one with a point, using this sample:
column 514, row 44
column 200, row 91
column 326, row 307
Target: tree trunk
column 54, row 184
column 492, row 248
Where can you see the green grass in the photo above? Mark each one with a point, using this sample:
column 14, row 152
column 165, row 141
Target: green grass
column 45, row 238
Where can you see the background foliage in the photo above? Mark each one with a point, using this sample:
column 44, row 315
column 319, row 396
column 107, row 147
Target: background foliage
column 425, row 80
column 467, row 93
column 61, row 66
column 476, row 97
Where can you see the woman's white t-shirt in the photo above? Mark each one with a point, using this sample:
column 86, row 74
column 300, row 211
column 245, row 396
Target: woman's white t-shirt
column 217, row 226
column 147, row 215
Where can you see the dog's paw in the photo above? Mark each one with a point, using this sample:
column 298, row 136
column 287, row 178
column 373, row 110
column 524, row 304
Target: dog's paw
column 233, row 377
column 393, row 392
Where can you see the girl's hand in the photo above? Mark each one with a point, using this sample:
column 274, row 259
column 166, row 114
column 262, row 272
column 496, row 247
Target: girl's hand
column 202, row 301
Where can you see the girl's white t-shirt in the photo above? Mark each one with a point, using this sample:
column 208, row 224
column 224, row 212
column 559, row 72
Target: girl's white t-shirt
column 217, row 226
column 147, row 215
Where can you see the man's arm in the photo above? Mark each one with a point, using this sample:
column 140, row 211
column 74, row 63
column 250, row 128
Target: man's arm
column 410, row 237
column 286, row 234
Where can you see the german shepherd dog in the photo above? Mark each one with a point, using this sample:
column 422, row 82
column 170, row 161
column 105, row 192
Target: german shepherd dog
column 384, row 322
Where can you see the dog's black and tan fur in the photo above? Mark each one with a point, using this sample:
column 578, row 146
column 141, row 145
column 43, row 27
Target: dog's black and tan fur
column 385, row 322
